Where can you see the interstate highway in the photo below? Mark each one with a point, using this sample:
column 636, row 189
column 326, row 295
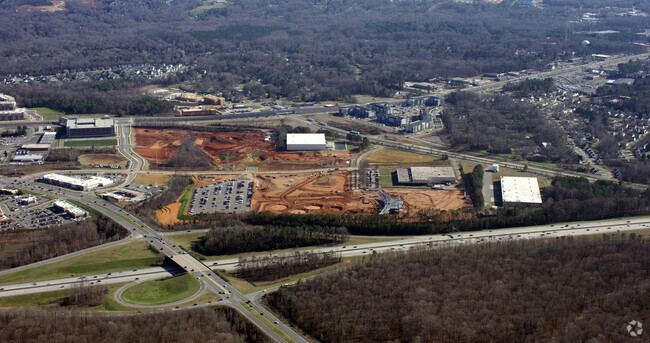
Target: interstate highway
column 402, row 244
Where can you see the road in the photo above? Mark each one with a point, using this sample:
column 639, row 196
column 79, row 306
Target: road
column 176, row 254
column 399, row 244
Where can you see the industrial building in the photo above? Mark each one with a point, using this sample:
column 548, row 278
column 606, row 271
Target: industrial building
column 306, row 141
column 197, row 111
column 8, row 110
column 36, row 147
column 47, row 138
column 520, row 190
column 76, row 183
column 88, row 127
column 32, row 158
column 426, row 175
column 70, row 209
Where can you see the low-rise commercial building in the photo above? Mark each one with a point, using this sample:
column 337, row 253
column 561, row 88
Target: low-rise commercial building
column 88, row 127
column 70, row 209
column 520, row 190
column 76, row 183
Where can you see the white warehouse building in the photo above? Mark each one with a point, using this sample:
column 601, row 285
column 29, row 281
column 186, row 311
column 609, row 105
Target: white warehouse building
column 306, row 141
column 76, row 183
column 520, row 190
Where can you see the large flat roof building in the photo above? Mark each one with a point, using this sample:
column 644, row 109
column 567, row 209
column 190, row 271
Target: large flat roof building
column 425, row 175
column 520, row 190
column 306, row 141
column 76, row 183
column 88, row 127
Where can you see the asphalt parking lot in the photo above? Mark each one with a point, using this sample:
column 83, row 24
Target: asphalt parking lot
column 230, row 196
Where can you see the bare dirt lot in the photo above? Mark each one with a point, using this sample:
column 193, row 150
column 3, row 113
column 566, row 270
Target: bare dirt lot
column 309, row 193
column 415, row 200
column 102, row 159
column 168, row 214
column 234, row 150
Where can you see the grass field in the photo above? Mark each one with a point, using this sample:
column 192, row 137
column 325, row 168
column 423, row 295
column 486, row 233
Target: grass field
column 152, row 179
column 391, row 156
column 163, row 291
column 48, row 113
column 185, row 199
column 90, row 142
column 91, row 211
column 134, row 255
column 52, row 300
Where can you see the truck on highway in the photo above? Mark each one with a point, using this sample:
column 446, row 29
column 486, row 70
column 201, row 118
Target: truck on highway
column 323, row 124
column 354, row 132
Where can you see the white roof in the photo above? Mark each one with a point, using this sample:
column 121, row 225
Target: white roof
column 305, row 138
column 520, row 189
column 70, row 208
column 93, row 182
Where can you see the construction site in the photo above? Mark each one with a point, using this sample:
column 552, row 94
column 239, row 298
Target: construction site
column 235, row 150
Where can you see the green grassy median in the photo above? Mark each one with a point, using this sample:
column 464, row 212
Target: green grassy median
column 134, row 255
column 163, row 291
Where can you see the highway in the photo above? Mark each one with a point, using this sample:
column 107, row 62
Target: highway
column 204, row 269
column 176, row 254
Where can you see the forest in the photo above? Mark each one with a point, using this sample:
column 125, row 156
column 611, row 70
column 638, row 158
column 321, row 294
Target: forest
column 269, row 268
column 212, row 324
column 244, row 238
column 474, row 183
column 303, row 49
column 500, row 125
column 24, row 247
column 565, row 289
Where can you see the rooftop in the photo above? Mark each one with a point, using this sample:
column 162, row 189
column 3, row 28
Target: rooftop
column 426, row 173
column 520, row 190
column 305, row 138
column 80, row 123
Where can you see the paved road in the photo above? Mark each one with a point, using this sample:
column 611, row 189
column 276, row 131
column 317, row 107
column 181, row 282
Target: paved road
column 176, row 254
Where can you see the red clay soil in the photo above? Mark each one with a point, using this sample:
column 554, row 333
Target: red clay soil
column 245, row 148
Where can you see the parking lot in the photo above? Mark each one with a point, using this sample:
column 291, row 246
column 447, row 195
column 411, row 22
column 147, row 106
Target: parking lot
column 230, row 196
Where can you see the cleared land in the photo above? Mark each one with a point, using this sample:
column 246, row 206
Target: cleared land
column 168, row 215
column 127, row 256
column 234, row 150
column 152, row 179
column 392, row 156
column 104, row 159
column 90, row 142
column 164, row 291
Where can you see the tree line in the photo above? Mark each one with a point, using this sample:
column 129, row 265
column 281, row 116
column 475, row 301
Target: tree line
column 245, row 238
column 60, row 240
column 145, row 209
column 473, row 182
column 564, row 289
column 269, row 268
column 211, row 324
column 530, row 87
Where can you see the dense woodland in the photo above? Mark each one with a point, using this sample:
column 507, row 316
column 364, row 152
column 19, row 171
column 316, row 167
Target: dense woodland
column 189, row 157
column 243, row 238
column 220, row 324
column 27, row 247
column 550, row 290
column 307, row 49
column 473, row 182
column 500, row 125
column 269, row 268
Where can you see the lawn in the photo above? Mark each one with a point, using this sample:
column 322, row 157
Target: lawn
column 91, row 211
column 48, row 113
column 391, row 156
column 134, row 255
column 152, row 179
column 90, row 142
column 185, row 199
column 163, row 291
